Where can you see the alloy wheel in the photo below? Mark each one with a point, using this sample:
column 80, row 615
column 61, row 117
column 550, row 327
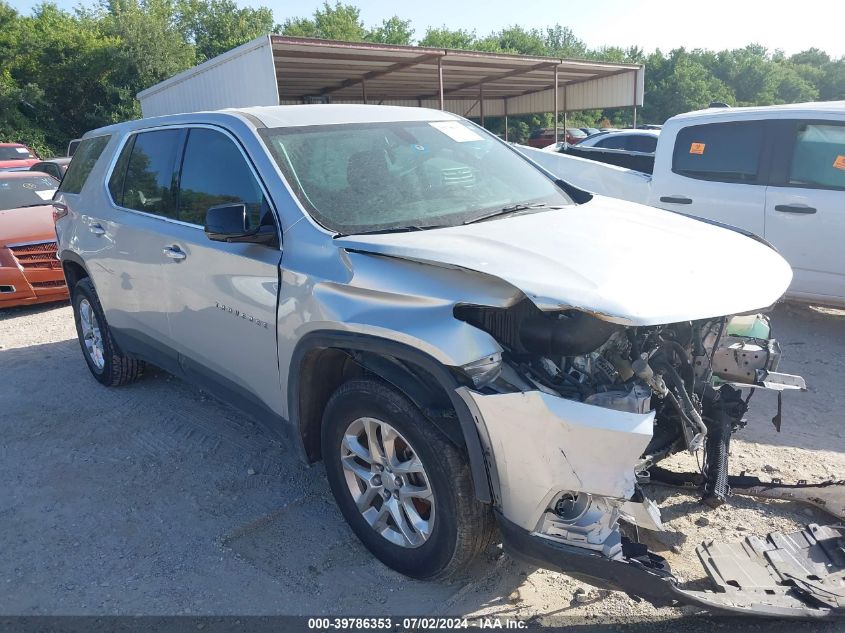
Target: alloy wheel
column 91, row 334
column 388, row 482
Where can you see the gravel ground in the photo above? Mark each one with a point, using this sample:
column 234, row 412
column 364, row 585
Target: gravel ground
column 156, row 499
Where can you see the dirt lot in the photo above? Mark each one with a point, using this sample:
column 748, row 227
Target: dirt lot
column 156, row 499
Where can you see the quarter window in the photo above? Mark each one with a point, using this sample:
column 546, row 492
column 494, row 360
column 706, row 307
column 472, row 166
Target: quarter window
column 724, row 152
column 118, row 174
column 612, row 142
column 150, row 172
column 83, row 162
column 215, row 172
column 819, row 156
column 642, row 143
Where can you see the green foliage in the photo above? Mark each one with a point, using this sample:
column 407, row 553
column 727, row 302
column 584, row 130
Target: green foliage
column 392, row 31
column 216, row 26
column 331, row 22
column 515, row 39
column 444, row 37
column 560, row 41
column 680, row 83
column 65, row 72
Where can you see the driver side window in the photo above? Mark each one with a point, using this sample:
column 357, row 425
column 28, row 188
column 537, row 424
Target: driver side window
column 215, row 172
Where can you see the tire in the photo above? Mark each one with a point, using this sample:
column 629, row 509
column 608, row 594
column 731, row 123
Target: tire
column 459, row 526
column 107, row 363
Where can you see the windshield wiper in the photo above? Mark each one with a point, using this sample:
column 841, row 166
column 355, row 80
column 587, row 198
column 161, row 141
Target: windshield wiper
column 514, row 208
column 398, row 229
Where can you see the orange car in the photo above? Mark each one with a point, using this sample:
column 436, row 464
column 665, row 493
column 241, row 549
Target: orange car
column 29, row 270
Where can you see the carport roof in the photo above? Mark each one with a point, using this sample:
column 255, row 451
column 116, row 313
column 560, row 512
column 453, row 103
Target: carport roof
column 307, row 67
column 277, row 69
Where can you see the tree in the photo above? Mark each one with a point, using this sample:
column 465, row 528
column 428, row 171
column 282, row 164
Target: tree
column 515, row 39
column 751, row 75
column 449, row 38
column 792, row 87
column 152, row 47
column 392, row 31
column 560, row 41
column 216, row 26
column 331, row 22
column 67, row 61
column 298, row 27
column 680, row 83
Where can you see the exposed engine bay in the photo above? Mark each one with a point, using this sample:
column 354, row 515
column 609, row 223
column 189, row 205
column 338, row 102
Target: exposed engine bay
column 689, row 373
column 697, row 377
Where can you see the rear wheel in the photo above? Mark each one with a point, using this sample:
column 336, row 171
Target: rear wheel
column 107, row 363
column 404, row 488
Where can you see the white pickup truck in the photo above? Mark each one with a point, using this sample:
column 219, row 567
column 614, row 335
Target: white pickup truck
column 776, row 171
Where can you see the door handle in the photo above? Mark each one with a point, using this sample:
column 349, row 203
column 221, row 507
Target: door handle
column 174, row 252
column 97, row 229
column 676, row 199
column 794, row 208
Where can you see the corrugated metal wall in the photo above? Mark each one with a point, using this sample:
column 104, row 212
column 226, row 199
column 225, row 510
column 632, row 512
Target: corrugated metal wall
column 616, row 91
column 606, row 92
column 244, row 76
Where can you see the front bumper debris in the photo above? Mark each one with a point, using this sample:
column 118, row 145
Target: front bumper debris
column 828, row 496
column 563, row 474
column 799, row 575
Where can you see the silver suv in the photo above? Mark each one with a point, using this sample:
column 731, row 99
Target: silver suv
column 463, row 340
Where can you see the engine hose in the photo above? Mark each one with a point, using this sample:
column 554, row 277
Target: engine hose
column 690, row 413
column 716, row 488
column 687, row 425
column 689, row 383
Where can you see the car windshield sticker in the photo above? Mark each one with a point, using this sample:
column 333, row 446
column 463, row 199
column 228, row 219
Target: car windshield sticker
column 839, row 163
column 22, row 150
column 696, row 148
column 29, row 185
column 46, row 194
column 456, row 131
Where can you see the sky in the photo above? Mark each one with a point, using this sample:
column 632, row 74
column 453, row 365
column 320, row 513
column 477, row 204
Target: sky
column 791, row 26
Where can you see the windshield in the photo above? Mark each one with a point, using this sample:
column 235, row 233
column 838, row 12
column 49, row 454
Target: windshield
column 15, row 153
column 357, row 178
column 25, row 192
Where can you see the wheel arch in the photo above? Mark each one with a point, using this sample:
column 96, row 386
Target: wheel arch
column 323, row 360
column 74, row 269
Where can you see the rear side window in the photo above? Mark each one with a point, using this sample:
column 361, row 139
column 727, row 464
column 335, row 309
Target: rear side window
column 819, row 156
column 724, row 152
column 642, row 143
column 612, row 142
column 83, row 162
column 150, row 172
column 215, row 172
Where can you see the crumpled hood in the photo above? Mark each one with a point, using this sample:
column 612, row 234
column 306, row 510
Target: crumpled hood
column 624, row 262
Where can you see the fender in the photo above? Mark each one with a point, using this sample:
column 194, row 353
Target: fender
column 70, row 256
column 355, row 342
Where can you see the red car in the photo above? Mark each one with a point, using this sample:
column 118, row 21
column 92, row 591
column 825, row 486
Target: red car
column 545, row 136
column 29, row 270
column 16, row 155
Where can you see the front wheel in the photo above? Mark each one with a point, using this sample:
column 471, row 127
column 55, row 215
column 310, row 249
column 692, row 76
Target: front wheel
column 402, row 486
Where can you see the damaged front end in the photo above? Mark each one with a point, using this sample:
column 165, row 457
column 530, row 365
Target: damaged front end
column 576, row 412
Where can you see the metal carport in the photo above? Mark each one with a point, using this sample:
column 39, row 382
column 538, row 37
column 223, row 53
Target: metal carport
column 275, row 69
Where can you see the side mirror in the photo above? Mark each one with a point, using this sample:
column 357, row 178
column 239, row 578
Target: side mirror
column 230, row 223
